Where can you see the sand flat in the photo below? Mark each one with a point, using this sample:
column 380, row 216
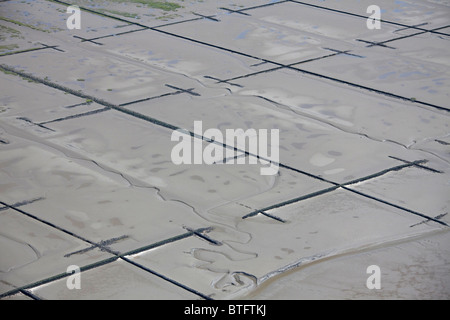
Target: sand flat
column 88, row 175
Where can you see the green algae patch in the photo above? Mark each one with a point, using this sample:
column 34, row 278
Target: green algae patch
column 162, row 5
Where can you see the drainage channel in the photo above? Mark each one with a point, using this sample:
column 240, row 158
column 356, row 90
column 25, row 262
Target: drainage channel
column 31, row 50
column 345, row 185
column 416, row 27
column 194, row 135
column 103, row 246
column 385, row 93
column 22, row 203
column 337, row 52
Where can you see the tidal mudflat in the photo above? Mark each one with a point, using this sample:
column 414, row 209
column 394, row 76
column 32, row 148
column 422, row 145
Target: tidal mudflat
column 88, row 178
